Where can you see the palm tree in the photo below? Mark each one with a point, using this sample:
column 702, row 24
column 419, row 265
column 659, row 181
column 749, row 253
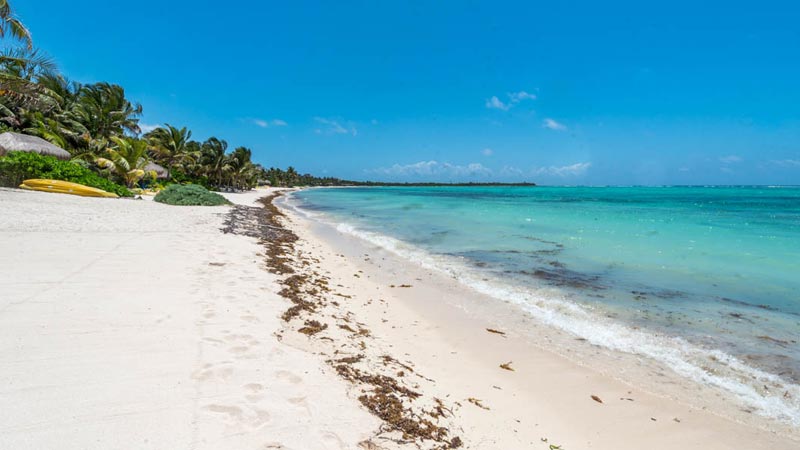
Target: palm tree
column 291, row 176
column 214, row 159
column 238, row 167
column 20, row 72
column 27, row 63
column 10, row 25
column 170, row 146
column 105, row 112
column 127, row 160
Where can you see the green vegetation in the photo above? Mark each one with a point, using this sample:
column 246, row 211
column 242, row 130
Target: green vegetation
column 190, row 195
column 19, row 166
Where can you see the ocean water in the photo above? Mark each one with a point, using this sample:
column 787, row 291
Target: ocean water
column 703, row 279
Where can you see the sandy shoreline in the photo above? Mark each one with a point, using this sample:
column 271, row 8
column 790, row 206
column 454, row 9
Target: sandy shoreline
column 138, row 325
column 441, row 327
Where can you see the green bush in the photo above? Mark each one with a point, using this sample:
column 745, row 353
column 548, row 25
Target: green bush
column 16, row 167
column 181, row 178
column 188, row 195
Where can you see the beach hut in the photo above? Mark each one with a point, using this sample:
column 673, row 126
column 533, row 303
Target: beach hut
column 24, row 143
column 161, row 172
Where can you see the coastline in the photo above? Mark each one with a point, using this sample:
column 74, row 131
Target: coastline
column 446, row 337
column 132, row 323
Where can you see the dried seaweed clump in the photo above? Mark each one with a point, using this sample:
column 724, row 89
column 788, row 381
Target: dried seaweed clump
column 386, row 400
column 312, row 327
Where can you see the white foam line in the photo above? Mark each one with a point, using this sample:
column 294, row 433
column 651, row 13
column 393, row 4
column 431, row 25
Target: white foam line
column 676, row 353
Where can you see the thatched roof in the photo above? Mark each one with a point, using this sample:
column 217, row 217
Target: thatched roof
column 22, row 142
column 161, row 172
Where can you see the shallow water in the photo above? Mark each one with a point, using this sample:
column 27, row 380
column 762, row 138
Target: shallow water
column 704, row 279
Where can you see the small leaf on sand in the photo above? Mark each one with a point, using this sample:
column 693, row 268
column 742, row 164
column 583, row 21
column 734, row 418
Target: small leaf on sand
column 507, row 366
column 597, row 399
column 490, row 330
column 477, row 403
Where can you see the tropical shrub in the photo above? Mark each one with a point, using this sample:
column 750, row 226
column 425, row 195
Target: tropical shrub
column 16, row 167
column 190, row 195
column 181, row 177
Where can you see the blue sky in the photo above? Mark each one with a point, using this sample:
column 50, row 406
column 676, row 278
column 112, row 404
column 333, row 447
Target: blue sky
column 550, row 92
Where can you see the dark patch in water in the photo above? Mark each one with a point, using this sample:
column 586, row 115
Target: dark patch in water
column 563, row 277
column 741, row 316
column 751, row 305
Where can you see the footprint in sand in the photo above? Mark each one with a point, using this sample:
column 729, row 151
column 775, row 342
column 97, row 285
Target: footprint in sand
column 239, row 350
column 254, row 392
column 300, row 403
column 289, row 376
column 254, row 387
column 332, row 440
column 209, row 372
column 254, row 418
column 234, row 412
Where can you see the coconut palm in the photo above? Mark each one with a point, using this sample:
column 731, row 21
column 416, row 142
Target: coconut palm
column 214, row 159
column 11, row 26
column 27, row 63
column 105, row 112
column 241, row 170
column 170, row 146
column 20, row 91
column 127, row 159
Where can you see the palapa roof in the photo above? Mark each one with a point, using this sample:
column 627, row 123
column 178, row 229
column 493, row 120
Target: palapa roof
column 10, row 142
column 161, row 172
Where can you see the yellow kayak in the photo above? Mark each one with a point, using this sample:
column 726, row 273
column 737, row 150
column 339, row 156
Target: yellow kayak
column 65, row 187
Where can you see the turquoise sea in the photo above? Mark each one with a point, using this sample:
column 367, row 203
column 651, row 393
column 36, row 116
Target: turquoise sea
column 703, row 279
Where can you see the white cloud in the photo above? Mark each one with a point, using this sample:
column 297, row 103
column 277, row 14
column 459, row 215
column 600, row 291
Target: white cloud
column 513, row 99
column 510, row 171
column 146, row 127
column 269, row 123
column 730, row 159
column 573, row 170
column 517, row 97
column 433, row 168
column 553, row 125
column 495, row 103
column 335, row 126
column 487, row 152
column 791, row 163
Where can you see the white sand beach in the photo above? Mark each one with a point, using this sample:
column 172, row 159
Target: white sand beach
column 132, row 324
